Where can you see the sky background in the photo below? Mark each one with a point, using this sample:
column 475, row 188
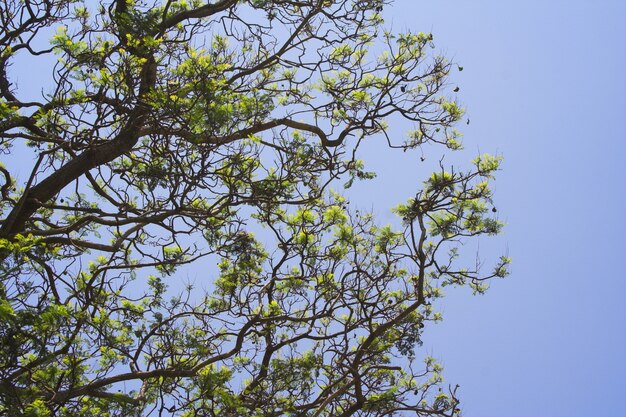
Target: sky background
column 544, row 85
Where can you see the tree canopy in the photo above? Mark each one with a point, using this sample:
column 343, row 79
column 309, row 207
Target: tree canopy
column 218, row 135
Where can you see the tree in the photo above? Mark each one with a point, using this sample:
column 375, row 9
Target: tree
column 181, row 133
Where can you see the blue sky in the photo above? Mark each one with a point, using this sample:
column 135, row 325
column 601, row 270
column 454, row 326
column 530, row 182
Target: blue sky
column 544, row 85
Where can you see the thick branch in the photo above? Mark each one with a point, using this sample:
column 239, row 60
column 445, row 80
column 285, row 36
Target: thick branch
column 126, row 139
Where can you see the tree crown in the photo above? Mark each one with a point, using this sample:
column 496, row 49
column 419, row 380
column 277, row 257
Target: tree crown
column 214, row 133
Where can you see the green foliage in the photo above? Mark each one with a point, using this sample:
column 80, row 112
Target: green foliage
column 177, row 247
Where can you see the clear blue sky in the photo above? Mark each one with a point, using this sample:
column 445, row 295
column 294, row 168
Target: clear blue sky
column 544, row 83
column 545, row 86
